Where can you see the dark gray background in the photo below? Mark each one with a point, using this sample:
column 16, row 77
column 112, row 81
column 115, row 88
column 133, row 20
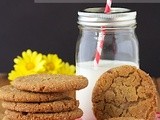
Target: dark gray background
column 52, row 28
column 96, row 1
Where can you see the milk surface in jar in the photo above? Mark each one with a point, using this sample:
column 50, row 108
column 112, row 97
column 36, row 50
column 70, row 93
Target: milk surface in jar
column 120, row 47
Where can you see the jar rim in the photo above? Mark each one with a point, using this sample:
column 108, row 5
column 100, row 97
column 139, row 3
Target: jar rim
column 117, row 17
column 106, row 28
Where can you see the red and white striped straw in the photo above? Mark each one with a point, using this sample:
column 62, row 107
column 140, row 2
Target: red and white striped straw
column 101, row 36
column 99, row 47
column 108, row 6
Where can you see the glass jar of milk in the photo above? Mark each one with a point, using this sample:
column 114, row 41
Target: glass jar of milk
column 105, row 41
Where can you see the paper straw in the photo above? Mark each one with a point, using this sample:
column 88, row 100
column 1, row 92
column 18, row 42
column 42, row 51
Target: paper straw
column 101, row 36
column 108, row 6
column 99, row 47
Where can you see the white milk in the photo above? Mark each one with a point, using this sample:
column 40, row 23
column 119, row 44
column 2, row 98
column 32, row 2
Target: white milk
column 93, row 73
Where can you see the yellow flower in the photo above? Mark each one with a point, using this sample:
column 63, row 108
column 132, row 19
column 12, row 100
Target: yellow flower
column 29, row 63
column 67, row 69
column 14, row 74
column 34, row 62
column 53, row 63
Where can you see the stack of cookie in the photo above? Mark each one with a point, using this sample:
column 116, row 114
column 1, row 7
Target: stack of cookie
column 42, row 97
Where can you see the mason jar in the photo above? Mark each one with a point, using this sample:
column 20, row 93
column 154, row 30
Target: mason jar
column 105, row 41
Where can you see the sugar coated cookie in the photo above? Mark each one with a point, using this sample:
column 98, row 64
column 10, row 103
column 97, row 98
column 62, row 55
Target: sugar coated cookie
column 125, row 91
column 71, row 115
column 50, row 83
column 9, row 93
column 124, row 118
column 55, row 106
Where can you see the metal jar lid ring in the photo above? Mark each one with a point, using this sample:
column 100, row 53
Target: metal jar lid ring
column 118, row 17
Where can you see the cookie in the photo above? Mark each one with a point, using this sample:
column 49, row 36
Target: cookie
column 5, row 118
column 71, row 94
column 124, row 91
column 71, row 115
column 50, row 83
column 124, row 118
column 9, row 93
column 56, row 106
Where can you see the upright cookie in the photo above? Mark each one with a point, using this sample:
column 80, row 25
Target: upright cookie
column 71, row 115
column 9, row 93
column 56, row 106
column 124, row 118
column 50, row 83
column 124, row 91
column 5, row 118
